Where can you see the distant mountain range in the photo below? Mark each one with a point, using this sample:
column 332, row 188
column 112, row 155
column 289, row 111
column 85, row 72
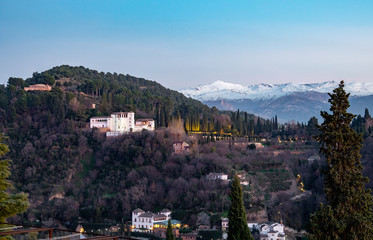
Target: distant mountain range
column 289, row 101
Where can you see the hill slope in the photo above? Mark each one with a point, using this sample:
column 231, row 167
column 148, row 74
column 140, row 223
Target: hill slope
column 71, row 171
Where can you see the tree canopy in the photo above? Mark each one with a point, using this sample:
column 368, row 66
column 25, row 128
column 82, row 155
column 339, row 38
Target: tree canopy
column 348, row 213
column 238, row 228
column 10, row 204
column 169, row 234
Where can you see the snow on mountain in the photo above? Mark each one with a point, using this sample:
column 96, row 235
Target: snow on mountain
column 230, row 91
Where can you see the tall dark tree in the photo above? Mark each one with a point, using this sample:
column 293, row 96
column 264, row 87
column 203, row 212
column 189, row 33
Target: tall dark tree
column 10, row 204
column 169, row 234
column 348, row 212
column 367, row 114
column 238, row 228
column 312, row 129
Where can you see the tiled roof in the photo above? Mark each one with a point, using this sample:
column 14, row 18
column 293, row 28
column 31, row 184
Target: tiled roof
column 100, row 117
column 145, row 119
column 121, row 112
column 138, row 210
column 147, row 214
column 189, row 234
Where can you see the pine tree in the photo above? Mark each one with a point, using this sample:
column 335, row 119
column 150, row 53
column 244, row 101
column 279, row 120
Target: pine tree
column 10, row 204
column 169, row 235
column 238, row 228
column 348, row 213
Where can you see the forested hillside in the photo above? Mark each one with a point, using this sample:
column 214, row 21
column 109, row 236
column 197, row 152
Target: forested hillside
column 72, row 171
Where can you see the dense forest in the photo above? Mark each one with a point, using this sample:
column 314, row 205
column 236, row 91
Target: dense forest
column 72, row 171
column 76, row 88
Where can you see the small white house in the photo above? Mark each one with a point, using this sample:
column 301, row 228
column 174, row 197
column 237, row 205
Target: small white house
column 217, row 176
column 271, row 231
column 180, row 147
column 148, row 124
column 278, row 227
column 166, row 212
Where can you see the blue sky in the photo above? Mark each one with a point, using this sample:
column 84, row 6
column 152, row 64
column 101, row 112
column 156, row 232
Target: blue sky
column 181, row 43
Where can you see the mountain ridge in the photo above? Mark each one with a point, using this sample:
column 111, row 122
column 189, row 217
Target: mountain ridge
column 289, row 101
column 215, row 90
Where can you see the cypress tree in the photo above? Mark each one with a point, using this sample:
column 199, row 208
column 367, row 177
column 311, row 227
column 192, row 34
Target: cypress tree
column 187, row 124
column 169, row 235
column 238, row 228
column 10, row 204
column 367, row 114
column 348, row 213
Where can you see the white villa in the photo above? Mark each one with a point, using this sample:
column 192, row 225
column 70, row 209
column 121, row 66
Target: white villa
column 272, row 231
column 119, row 123
column 147, row 221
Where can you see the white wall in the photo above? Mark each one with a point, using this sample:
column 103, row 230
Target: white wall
column 101, row 122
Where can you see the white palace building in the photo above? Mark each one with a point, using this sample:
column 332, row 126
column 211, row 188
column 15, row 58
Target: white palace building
column 119, row 123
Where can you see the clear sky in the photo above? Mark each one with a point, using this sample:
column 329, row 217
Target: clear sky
column 184, row 43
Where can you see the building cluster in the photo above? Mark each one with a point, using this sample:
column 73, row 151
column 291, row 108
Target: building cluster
column 156, row 224
column 119, row 123
column 267, row 231
column 271, row 231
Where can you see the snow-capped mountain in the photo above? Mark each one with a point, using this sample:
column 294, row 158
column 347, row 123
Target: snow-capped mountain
column 223, row 90
column 289, row 101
